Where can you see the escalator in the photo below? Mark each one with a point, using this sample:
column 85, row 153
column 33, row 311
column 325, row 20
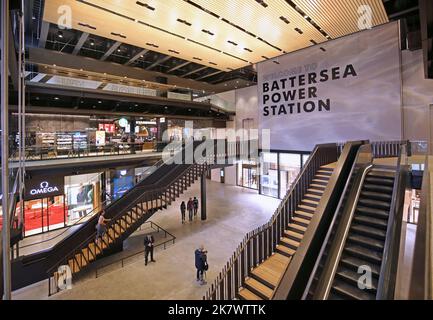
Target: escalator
column 366, row 238
column 359, row 257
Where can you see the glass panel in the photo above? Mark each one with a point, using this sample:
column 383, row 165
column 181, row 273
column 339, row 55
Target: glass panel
column 305, row 158
column 248, row 175
column 290, row 166
column 269, row 174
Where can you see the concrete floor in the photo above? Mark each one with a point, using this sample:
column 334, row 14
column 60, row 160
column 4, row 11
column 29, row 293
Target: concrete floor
column 232, row 212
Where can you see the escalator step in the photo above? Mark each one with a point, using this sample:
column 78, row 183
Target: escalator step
column 363, row 253
column 350, row 292
column 368, row 231
column 370, row 221
column 352, row 278
column 380, row 181
column 377, row 204
column 368, row 242
column 377, row 188
column 355, row 263
column 376, row 195
column 372, row 212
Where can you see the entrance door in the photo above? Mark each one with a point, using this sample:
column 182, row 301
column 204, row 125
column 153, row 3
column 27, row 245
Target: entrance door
column 250, row 177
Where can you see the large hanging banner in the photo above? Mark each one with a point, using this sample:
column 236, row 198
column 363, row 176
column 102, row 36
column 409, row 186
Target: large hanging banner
column 345, row 89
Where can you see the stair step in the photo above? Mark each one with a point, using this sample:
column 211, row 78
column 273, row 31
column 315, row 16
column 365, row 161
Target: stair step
column 376, row 195
column 314, row 197
column 303, row 215
column 364, row 253
column 379, row 181
column 301, row 222
column 306, row 208
column 310, row 203
column 351, row 292
column 297, row 228
column 352, row 277
column 355, row 263
column 324, row 172
column 293, row 235
column 285, row 251
column 376, row 204
column 292, row 244
column 322, row 177
column 372, row 212
column 319, row 182
column 368, row 242
column 258, row 288
column 370, row 221
column 318, row 186
column 317, row 192
column 377, row 188
column 368, row 231
column 245, row 294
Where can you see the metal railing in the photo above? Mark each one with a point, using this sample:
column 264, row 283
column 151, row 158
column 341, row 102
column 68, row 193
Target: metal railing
column 122, row 260
column 261, row 243
column 421, row 283
column 383, row 149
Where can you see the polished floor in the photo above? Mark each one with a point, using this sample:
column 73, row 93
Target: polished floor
column 232, row 212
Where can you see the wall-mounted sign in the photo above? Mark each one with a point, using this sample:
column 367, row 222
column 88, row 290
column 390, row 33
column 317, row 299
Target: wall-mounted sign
column 107, row 127
column 123, row 122
column 44, row 187
column 345, row 89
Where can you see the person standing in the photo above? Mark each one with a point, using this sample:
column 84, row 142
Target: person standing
column 195, row 204
column 190, row 206
column 201, row 263
column 101, row 226
column 148, row 248
column 182, row 211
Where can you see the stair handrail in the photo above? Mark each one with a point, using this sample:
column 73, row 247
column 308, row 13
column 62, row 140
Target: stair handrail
column 364, row 156
column 330, row 268
column 272, row 230
column 390, row 256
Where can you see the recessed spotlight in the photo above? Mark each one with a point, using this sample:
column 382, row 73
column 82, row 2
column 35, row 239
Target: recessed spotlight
column 99, row 101
column 94, row 107
column 37, row 98
column 54, row 65
column 118, row 50
column 166, row 107
column 81, row 69
column 56, row 98
column 125, row 77
column 92, row 43
column 33, row 18
column 60, row 34
column 189, row 110
column 136, row 105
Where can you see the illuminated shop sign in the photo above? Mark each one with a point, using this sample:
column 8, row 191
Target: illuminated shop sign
column 37, row 189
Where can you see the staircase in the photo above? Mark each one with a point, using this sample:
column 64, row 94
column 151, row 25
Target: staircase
column 365, row 242
column 144, row 200
column 263, row 280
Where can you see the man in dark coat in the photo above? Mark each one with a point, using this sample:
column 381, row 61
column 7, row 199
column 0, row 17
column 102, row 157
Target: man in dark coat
column 201, row 263
column 148, row 248
column 190, row 207
column 195, row 204
column 182, row 211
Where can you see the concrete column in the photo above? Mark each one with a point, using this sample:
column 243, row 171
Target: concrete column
column 203, row 197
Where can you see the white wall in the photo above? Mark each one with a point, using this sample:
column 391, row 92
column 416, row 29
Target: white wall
column 247, row 106
column 417, row 96
column 215, row 175
column 230, row 175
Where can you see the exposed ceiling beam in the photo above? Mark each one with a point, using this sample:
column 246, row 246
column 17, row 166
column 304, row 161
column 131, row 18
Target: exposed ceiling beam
column 209, row 75
column 194, row 71
column 80, row 43
column 111, row 50
column 44, row 34
column 162, row 60
column 179, row 66
column 136, row 57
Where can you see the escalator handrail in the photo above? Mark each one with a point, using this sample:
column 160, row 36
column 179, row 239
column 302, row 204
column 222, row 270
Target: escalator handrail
column 330, row 268
column 341, row 203
column 389, row 265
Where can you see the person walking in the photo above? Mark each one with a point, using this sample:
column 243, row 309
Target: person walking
column 201, row 264
column 190, row 206
column 195, row 203
column 148, row 248
column 101, row 226
column 182, row 211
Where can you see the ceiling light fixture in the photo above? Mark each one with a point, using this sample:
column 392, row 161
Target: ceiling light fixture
column 60, row 34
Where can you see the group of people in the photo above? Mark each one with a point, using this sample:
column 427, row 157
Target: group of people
column 191, row 206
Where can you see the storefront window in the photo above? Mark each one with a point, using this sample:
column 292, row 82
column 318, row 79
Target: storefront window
column 290, row 166
column 269, row 176
column 248, row 175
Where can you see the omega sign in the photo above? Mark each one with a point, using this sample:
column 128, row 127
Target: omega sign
column 46, row 188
